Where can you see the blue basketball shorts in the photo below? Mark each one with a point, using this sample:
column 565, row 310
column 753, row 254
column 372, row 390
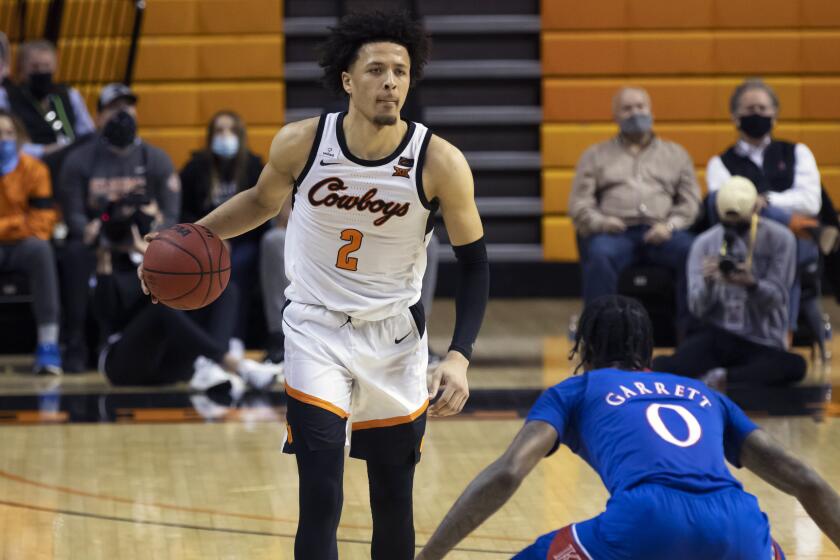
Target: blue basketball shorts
column 659, row 523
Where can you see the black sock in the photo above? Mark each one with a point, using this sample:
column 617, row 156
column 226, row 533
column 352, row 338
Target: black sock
column 393, row 516
column 321, row 498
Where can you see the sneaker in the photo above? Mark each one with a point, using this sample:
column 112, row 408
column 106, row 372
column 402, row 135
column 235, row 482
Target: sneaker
column 207, row 375
column 260, row 376
column 75, row 357
column 236, row 348
column 207, row 408
column 48, row 360
column 210, row 378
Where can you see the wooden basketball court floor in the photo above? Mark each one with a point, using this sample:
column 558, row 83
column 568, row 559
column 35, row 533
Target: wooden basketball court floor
column 91, row 472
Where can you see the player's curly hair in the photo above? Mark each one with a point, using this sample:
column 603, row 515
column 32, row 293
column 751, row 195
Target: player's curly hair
column 340, row 49
column 614, row 331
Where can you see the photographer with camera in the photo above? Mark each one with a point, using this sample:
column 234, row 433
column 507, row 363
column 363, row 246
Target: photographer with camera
column 115, row 171
column 149, row 344
column 740, row 274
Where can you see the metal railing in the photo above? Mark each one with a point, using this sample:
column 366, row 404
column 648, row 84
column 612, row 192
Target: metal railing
column 97, row 40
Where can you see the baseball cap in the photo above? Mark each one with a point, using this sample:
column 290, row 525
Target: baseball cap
column 113, row 91
column 737, row 195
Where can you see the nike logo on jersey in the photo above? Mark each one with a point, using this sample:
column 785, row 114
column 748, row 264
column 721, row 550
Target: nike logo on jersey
column 329, row 162
column 398, row 340
column 365, row 203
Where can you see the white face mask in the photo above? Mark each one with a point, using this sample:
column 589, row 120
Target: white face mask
column 225, row 145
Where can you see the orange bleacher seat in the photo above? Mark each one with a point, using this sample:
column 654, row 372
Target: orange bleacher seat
column 191, row 104
column 696, row 14
column 171, row 17
column 180, row 142
column 558, row 239
column 557, row 186
column 685, row 99
column 210, row 57
column 693, row 52
column 193, row 17
column 563, row 145
column 89, row 58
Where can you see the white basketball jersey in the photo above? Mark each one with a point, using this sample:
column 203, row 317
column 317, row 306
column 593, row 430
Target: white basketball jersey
column 357, row 234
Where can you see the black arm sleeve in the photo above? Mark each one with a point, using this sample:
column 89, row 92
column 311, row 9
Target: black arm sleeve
column 471, row 295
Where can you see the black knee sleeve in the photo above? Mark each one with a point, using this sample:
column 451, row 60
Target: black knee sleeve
column 320, row 499
column 391, row 488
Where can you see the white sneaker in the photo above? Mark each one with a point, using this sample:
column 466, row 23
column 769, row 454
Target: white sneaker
column 236, row 348
column 207, row 408
column 207, row 374
column 260, row 376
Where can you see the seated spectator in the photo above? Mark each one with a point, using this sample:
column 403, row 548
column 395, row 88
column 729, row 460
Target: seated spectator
column 54, row 114
column 785, row 174
column 5, row 52
column 274, row 284
column 223, row 168
column 633, row 198
column 150, row 344
column 26, row 221
column 740, row 273
column 113, row 168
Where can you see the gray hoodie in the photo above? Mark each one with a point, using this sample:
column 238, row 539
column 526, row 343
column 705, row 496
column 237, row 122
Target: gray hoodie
column 759, row 314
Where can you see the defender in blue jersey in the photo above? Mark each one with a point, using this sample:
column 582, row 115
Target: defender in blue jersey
column 660, row 444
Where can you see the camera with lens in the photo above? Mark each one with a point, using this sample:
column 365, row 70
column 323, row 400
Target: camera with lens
column 729, row 262
column 118, row 217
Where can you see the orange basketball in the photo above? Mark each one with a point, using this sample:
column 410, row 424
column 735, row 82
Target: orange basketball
column 186, row 267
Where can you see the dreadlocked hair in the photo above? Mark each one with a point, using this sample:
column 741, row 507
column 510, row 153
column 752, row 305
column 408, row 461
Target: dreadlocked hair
column 338, row 52
column 614, row 331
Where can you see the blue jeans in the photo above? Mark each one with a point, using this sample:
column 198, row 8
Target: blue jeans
column 244, row 262
column 605, row 255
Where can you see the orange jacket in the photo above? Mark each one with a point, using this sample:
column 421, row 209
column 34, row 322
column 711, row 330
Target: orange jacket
column 26, row 202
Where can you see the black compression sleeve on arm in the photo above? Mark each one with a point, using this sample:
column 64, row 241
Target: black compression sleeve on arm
column 471, row 295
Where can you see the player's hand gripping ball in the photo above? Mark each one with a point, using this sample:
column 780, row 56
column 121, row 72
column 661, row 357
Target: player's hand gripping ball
column 186, row 266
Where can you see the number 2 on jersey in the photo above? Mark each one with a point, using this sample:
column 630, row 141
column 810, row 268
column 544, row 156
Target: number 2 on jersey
column 353, row 237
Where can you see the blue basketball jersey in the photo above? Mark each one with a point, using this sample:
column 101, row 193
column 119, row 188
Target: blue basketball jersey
column 647, row 428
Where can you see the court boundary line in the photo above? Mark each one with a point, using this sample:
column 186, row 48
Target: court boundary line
column 228, row 530
column 207, row 511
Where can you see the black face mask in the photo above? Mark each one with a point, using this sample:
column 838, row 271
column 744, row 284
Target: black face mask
column 755, row 126
column 40, row 84
column 737, row 228
column 120, row 130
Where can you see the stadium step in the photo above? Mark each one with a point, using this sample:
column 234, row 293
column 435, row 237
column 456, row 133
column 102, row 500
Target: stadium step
column 443, row 69
column 330, row 8
column 436, row 25
column 503, row 252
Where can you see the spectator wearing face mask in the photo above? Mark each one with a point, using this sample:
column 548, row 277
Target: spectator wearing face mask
column 115, row 167
column 26, row 221
column 53, row 114
column 5, row 51
column 223, row 168
column 787, row 179
column 785, row 173
column 633, row 198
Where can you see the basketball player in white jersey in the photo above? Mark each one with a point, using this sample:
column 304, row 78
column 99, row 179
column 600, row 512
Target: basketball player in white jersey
column 365, row 186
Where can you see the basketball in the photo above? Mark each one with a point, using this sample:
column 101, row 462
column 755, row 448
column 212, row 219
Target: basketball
column 186, row 267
